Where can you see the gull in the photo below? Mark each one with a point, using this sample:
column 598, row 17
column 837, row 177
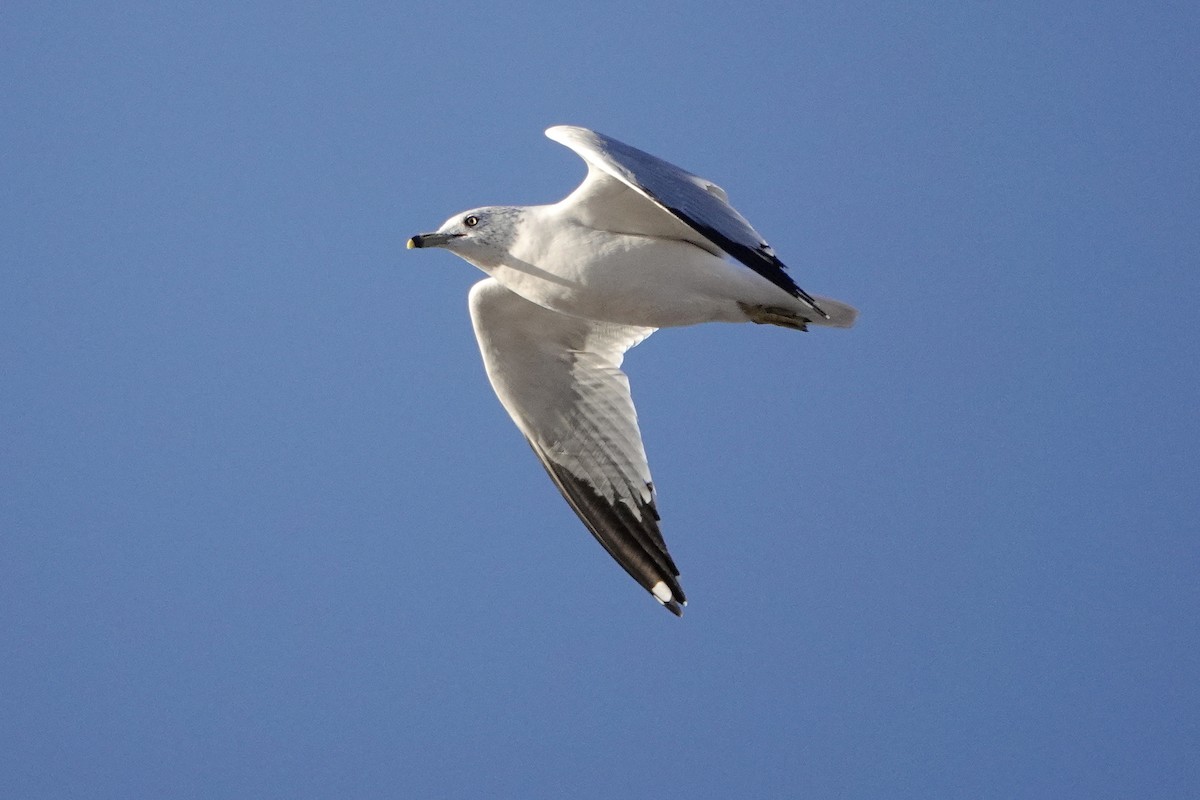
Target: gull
column 640, row 245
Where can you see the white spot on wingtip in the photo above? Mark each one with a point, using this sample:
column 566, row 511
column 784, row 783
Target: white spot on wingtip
column 661, row 593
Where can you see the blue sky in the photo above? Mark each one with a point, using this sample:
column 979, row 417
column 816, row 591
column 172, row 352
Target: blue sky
column 266, row 532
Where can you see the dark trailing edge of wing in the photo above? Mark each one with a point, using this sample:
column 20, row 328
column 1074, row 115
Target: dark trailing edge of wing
column 637, row 545
column 765, row 264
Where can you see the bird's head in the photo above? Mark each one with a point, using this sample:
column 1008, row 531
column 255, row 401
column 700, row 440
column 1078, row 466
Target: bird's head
column 481, row 235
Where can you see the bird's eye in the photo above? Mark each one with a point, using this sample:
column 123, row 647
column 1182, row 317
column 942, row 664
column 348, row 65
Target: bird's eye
column 471, row 221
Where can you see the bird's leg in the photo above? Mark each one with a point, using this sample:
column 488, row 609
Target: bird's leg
column 774, row 315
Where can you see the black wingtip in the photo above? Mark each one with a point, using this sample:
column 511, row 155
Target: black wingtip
column 808, row 298
column 670, row 595
column 760, row 259
column 674, row 608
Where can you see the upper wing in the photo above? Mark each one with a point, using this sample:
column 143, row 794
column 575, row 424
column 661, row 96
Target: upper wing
column 701, row 205
column 560, row 380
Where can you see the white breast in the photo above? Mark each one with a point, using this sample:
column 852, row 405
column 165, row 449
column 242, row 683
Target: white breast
column 630, row 279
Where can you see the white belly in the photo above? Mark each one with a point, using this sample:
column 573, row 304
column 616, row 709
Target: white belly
column 634, row 280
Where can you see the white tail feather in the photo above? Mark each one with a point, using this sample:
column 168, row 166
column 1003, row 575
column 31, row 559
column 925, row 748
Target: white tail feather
column 840, row 314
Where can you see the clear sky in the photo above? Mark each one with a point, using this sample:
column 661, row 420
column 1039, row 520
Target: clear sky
column 266, row 532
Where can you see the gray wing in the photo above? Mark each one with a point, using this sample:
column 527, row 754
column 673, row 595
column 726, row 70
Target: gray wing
column 701, row 205
column 560, row 380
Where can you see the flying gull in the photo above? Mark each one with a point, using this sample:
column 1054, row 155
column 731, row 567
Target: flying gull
column 639, row 245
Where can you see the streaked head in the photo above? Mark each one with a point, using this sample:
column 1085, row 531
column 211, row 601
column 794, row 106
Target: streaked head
column 481, row 235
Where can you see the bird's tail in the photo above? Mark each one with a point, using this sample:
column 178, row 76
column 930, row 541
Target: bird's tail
column 840, row 314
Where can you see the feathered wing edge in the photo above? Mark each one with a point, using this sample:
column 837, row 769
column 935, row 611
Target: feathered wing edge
column 559, row 378
column 634, row 542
